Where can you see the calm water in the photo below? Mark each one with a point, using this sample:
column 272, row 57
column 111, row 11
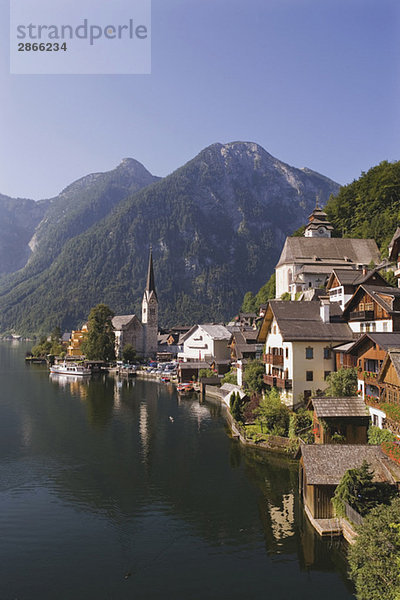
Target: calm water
column 103, row 496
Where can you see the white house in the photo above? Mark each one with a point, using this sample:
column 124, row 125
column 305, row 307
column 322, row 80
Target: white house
column 299, row 340
column 206, row 342
column 306, row 262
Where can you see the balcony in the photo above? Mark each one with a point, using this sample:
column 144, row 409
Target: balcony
column 362, row 315
column 273, row 359
column 285, row 384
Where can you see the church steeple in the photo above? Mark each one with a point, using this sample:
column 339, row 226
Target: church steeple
column 150, row 312
column 150, row 286
column 318, row 224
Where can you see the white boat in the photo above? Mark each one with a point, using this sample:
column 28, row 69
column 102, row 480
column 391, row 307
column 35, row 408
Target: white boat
column 67, row 368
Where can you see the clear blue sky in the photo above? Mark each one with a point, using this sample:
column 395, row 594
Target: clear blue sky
column 315, row 82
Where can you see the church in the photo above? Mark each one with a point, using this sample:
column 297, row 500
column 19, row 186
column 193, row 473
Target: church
column 142, row 335
column 306, row 262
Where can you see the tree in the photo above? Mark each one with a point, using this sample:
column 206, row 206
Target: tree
column 374, row 558
column 230, row 377
column 272, row 415
column 100, row 340
column 206, row 373
column 357, row 489
column 253, row 376
column 342, row 383
column 236, row 406
column 128, row 353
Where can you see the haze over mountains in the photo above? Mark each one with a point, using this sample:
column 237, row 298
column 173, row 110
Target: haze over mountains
column 217, row 226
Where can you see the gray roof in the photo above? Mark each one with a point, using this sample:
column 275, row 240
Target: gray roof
column 325, row 464
column 334, row 251
column 120, row 321
column 196, row 364
column 340, row 407
column 376, row 293
column 394, row 356
column 384, row 340
column 344, row 347
column 216, row 332
column 302, row 321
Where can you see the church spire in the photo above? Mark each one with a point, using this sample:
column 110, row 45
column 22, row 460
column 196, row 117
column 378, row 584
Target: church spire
column 150, row 286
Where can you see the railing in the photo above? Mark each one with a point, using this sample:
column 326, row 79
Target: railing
column 353, row 515
column 362, row 315
column 273, row 359
column 372, row 401
column 278, row 382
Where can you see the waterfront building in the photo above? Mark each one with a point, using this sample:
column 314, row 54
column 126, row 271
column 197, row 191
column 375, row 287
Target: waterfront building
column 344, row 420
column 142, row 335
column 299, row 338
column 208, row 342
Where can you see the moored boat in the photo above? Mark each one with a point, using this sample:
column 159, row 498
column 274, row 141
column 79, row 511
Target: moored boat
column 67, row 368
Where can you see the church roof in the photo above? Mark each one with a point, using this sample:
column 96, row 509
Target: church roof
column 337, row 252
column 121, row 321
column 150, row 285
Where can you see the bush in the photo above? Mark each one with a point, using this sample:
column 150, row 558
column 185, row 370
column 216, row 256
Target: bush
column 253, row 376
column 230, row 377
column 300, row 424
column 374, row 558
column 273, row 416
column 250, row 408
column 377, row 436
column 358, row 490
column 206, row 373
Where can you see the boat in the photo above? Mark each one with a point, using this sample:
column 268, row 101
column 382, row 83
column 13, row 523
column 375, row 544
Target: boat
column 70, row 368
column 185, row 388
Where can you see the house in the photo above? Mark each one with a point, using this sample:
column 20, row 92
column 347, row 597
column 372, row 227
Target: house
column 345, row 417
column 367, row 355
column 373, row 308
column 307, row 262
column 322, row 467
column 75, row 342
column 342, row 283
column 389, row 380
column 299, row 339
column 141, row 335
column 189, row 371
column 206, row 343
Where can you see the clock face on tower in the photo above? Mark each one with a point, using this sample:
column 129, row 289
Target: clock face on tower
column 321, row 230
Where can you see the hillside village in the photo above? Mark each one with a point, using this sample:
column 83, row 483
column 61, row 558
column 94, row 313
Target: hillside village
column 334, row 310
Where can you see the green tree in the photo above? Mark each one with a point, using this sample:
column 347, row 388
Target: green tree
column 273, row 416
column 390, row 277
column 100, row 340
column 374, row 558
column 253, row 376
column 342, row 383
column 230, row 377
column 128, row 353
column 206, row 373
column 236, row 406
column 248, row 305
column 357, row 489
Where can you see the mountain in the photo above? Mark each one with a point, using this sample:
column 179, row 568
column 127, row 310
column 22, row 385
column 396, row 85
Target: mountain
column 217, row 226
column 18, row 220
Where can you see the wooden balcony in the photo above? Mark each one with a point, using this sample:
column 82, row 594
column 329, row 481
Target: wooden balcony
column 285, row 384
column 362, row 315
column 273, row 359
column 373, row 401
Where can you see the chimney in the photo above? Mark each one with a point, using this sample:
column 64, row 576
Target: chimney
column 324, row 311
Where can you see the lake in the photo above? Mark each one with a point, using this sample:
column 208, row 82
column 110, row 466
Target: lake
column 117, row 490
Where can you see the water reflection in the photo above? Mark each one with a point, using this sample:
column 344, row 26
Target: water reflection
column 110, row 476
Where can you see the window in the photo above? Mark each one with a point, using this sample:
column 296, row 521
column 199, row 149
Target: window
column 384, row 326
column 309, row 352
column 152, row 311
column 361, row 306
column 309, row 375
column 327, row 353
column 274, row 329
column 326, row 374
column 286, row 352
